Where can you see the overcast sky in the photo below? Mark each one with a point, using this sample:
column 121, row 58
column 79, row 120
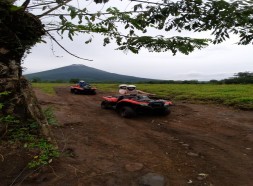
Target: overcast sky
column 213, row 62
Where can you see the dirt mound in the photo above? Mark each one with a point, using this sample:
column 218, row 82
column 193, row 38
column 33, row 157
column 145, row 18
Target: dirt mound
column 196, row 144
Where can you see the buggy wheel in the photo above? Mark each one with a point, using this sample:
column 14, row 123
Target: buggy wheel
column 165, row 112
column 104, row 105
column 126, row 112
column 75, row 91
column 93, row 93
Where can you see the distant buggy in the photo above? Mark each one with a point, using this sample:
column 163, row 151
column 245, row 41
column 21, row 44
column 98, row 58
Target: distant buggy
column 130, row 106
column 87, row 89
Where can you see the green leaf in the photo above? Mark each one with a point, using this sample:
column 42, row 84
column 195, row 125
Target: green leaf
column 1, row 105
column 93, row 18
column 15, row 8
column 88, row 41
column 70, row 36
column 4, row 93
column 106, row 41
column 138, row 6
column 131, row 32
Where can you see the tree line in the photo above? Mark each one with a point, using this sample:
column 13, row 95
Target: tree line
column 238, row 78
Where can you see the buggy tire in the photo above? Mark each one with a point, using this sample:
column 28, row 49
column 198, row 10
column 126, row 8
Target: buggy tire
column 93, row 93
column 104, row 105
column 165, row 112
column 126, row 112
column 75, row 91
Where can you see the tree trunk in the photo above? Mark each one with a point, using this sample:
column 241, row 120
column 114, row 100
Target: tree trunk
column 19, row 31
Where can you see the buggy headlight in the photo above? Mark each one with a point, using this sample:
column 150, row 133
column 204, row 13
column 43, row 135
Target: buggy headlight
column 166, row 104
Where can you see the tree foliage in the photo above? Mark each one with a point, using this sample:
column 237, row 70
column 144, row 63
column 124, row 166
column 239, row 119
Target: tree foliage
column 244, row 75
column 240, row 78
column 130, row 30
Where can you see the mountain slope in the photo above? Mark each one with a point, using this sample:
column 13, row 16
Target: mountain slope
column 83, row 72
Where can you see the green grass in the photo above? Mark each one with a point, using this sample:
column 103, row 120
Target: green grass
column 49, row 114
column 49, row 87
column 239, row 96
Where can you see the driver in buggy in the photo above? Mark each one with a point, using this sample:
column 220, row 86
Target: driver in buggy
column 123, row 89
column 131, row 90
column 82, row 83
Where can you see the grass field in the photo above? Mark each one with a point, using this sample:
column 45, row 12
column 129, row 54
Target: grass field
column 239, row 96
column 49, row 87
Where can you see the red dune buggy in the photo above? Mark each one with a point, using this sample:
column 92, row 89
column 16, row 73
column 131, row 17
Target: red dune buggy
column 87, row 89
column 129, row 106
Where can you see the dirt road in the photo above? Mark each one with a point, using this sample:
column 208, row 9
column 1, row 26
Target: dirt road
column 194, row 145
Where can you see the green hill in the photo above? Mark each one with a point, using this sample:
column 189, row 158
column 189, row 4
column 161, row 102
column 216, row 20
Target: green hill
column 86, row 73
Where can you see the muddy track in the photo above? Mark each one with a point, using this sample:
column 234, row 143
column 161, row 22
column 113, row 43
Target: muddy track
column 195, row 145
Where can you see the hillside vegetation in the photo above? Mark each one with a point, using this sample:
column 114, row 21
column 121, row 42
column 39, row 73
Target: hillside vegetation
column 75, row 71
column 238, row 96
